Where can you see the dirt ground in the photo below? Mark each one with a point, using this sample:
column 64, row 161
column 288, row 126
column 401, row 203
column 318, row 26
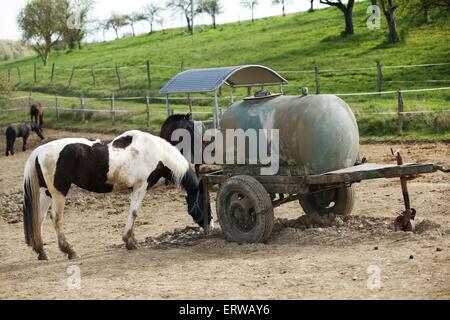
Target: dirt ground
column 303, row 260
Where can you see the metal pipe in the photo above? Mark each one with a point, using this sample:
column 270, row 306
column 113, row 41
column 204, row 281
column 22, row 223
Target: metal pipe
column 168, row 105
column 216, row 110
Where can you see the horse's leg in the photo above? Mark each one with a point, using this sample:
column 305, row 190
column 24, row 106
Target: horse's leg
column 58, row 204
column 8, row 145
column 13, row 140
column 136, row 202
column 45, row 202
column 24, row 147
column 197, row 170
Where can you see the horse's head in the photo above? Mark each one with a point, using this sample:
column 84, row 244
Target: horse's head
column 36, row 128
column 195, row 201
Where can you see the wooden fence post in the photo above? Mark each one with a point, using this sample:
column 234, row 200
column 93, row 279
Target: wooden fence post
column 71, row 76
column 113, row 110
column 119, row 81
column 35, row 72
column 316, row 71
column 9, row 75
column 57, row 107
column 53, row 73
column 83, row 115
column 147, row 102
column 182, row 65
column 401, row 108
column 380, row 76
column 19, row 75
column 149, row 76
column 94, row 80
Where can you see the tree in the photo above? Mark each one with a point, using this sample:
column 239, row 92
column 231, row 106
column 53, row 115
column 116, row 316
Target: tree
column 151, row 13
column 102, row 25
column 116, row 22
column 133, row 18
column 183, row 6
column 283, row 4
column 43, row 23
column 388, row 9
column 250, row 4
column 76, row 27
column 347, row 10
column 212, row 7
column 311, row 9
column 411, row 10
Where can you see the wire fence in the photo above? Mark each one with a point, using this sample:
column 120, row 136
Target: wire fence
column 154, row 76
column 150, row 77
column 155, row 110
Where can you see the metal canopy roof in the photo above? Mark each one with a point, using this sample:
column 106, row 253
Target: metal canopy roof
column 209, row 80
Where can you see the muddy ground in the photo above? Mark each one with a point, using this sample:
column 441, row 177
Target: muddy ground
column 304, row 259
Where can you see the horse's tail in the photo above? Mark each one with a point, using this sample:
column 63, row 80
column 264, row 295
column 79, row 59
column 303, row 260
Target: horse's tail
column 31, row 202
column 176, row 162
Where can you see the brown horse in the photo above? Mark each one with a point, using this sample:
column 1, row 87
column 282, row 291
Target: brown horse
column 37, row 114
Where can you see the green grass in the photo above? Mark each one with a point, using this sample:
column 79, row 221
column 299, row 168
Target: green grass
column 296, row 42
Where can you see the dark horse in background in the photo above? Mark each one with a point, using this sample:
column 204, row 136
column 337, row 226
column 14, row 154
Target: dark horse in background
column 174, row 123
column 37, row 113
column 21, row 130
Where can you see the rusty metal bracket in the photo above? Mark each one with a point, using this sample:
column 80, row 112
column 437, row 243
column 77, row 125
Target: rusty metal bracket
column 405, row 221
column 443, row 169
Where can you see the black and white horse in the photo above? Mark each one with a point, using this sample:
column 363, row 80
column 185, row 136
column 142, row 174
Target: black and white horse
column 133, row 161
column 20, row 130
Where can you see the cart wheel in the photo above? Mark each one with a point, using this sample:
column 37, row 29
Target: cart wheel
column 339, row 201
column 245, row 210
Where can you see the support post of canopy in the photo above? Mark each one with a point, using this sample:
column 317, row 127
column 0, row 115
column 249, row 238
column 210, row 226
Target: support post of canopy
column 168, row 106
column 231, row 96
column 216, row 110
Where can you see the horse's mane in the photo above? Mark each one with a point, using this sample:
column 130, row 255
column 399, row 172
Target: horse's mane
column 179, row 117
column 169, row 125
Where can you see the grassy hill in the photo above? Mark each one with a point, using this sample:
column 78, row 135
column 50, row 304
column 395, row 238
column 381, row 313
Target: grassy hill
column 296, row 42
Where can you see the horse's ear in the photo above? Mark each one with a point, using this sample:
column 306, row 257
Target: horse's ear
column 189, row 116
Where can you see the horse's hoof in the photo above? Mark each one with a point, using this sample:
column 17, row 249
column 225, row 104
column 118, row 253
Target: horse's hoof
column 42, row 257
column 73, row 256
column 132, row 246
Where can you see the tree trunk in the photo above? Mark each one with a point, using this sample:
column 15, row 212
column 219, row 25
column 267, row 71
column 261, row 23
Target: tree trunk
column 392, row 27
column 151, row 27
column 284, row 10
column 132, row 27
column 45, row 56
column 253, row 15
column 312, row 6
column 188, row 20
column 349, row 30
column 117, row 33
column 214, row 21
column 426, row 12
